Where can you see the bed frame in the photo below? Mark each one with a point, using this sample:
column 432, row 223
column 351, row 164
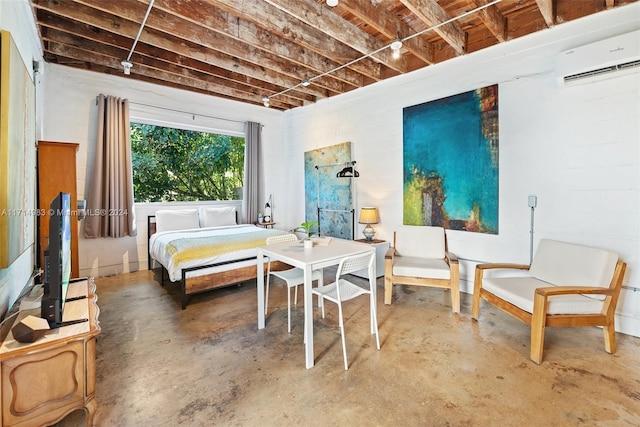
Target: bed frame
column 206, row 282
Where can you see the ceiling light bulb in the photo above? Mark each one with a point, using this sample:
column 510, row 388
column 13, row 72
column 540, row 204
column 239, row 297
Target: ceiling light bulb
column 306, row 82
column 332, row 3
column 265, row 101
column 395, row 47
column 126, row 64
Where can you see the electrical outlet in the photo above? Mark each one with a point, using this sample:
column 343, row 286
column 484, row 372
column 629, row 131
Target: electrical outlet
column 533, row 201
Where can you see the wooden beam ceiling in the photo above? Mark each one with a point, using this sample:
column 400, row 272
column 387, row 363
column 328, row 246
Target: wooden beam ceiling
column 248, row 50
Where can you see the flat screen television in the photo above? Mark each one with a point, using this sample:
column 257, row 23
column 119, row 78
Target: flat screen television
column 57, row 260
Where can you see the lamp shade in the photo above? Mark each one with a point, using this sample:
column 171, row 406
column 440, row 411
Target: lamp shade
column 369, row 216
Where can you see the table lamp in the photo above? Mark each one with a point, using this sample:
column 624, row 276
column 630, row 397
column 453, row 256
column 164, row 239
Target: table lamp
column 369, row 216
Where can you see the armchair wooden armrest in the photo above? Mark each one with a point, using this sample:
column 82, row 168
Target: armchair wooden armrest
column 502, row 265
column 451, row 258
column 568, row 290
column 477, row 282
column 391, row 252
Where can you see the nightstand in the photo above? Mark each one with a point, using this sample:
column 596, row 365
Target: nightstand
column 265, row 224
column 381, row 249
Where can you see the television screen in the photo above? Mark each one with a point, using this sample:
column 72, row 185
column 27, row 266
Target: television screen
column 57, row 259
column 65, row 250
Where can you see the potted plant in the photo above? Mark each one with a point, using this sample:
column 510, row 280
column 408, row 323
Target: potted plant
column 307, row 228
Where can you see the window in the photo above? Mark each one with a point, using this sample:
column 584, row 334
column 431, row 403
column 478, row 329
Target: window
column 184, row 165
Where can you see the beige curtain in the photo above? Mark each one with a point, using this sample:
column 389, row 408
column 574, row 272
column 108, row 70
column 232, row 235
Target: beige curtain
column 110, row 199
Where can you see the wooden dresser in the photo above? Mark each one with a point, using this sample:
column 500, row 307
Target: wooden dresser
column 56, row 173
column 44, row 381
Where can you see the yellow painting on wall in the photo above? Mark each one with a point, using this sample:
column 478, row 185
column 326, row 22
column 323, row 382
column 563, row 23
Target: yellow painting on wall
column 17, row 153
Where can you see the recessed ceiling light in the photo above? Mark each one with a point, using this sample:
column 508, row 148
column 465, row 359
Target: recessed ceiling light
column 332, row 3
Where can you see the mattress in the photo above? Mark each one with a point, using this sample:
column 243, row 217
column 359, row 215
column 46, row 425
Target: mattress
column 178, row 250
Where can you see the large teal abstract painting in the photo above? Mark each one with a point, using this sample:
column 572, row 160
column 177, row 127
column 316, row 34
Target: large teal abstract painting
column 328, row 198
column 450, row 171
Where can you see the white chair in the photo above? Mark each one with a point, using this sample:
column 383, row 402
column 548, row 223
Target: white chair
column 566, row 285
column 420, row 257
column 343, row 290
column 293, row 277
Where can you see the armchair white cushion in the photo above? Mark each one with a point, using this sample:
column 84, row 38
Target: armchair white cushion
column 566, row 285
column 419, row 257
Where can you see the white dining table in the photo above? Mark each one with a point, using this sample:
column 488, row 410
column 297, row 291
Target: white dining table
column 308, row 259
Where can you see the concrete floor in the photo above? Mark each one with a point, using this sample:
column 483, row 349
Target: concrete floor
column 208, row 365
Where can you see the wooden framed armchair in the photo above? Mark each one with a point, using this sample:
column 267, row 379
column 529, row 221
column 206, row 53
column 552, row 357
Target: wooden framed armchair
column 420, row 257
column 566, row 285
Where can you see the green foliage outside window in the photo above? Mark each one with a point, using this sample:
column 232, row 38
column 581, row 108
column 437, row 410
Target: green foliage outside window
column 181, row 165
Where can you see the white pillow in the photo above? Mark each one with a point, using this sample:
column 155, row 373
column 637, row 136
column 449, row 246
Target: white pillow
column 218, row 217
column 171, row 220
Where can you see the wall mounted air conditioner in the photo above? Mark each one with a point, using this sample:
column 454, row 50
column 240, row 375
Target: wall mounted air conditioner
column 600, row 60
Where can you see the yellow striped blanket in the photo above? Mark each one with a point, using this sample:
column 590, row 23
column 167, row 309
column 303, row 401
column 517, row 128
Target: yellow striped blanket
column 184, row 250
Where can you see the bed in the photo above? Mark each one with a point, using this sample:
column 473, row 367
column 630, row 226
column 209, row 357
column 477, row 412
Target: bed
column 204, row 248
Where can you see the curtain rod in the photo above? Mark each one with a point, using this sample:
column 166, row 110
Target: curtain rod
column 183, row 112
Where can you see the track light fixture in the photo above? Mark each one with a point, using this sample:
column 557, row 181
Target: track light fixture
column 126, row 63
column 332, row 3
column 395, row 47
column 265, row 101
column 306, row 82
column 127, row 66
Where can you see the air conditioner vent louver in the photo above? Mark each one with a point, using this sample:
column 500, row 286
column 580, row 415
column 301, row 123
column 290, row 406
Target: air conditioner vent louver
column 600, row 71
column 600, row 60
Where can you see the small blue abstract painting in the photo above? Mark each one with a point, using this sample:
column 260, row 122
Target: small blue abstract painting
column 450, row 171
column 328, row 198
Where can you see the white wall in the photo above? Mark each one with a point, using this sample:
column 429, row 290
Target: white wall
column 16, row 17
column 70, row 115
column 576, row 148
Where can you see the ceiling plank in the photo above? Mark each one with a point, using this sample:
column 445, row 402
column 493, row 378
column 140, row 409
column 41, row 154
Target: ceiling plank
column 204, row 21
column 285, row 26
column 388, row 24
column 325, row 20
column 233, row 57
column 102, row 43
column 201, row 83
column 432, row 14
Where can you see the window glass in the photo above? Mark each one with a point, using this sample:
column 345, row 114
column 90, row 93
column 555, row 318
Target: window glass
column 184, row 165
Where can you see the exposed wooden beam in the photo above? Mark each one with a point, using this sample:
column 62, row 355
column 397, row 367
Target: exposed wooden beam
column 97, row 20
column 388, row 24
column 546, row 9
column 229, row 56
column 493, row 19
column 320, row 17
column 102, row 43
column 284, row 26
column 205, row 84
column 432, row 14
column 207, row 20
